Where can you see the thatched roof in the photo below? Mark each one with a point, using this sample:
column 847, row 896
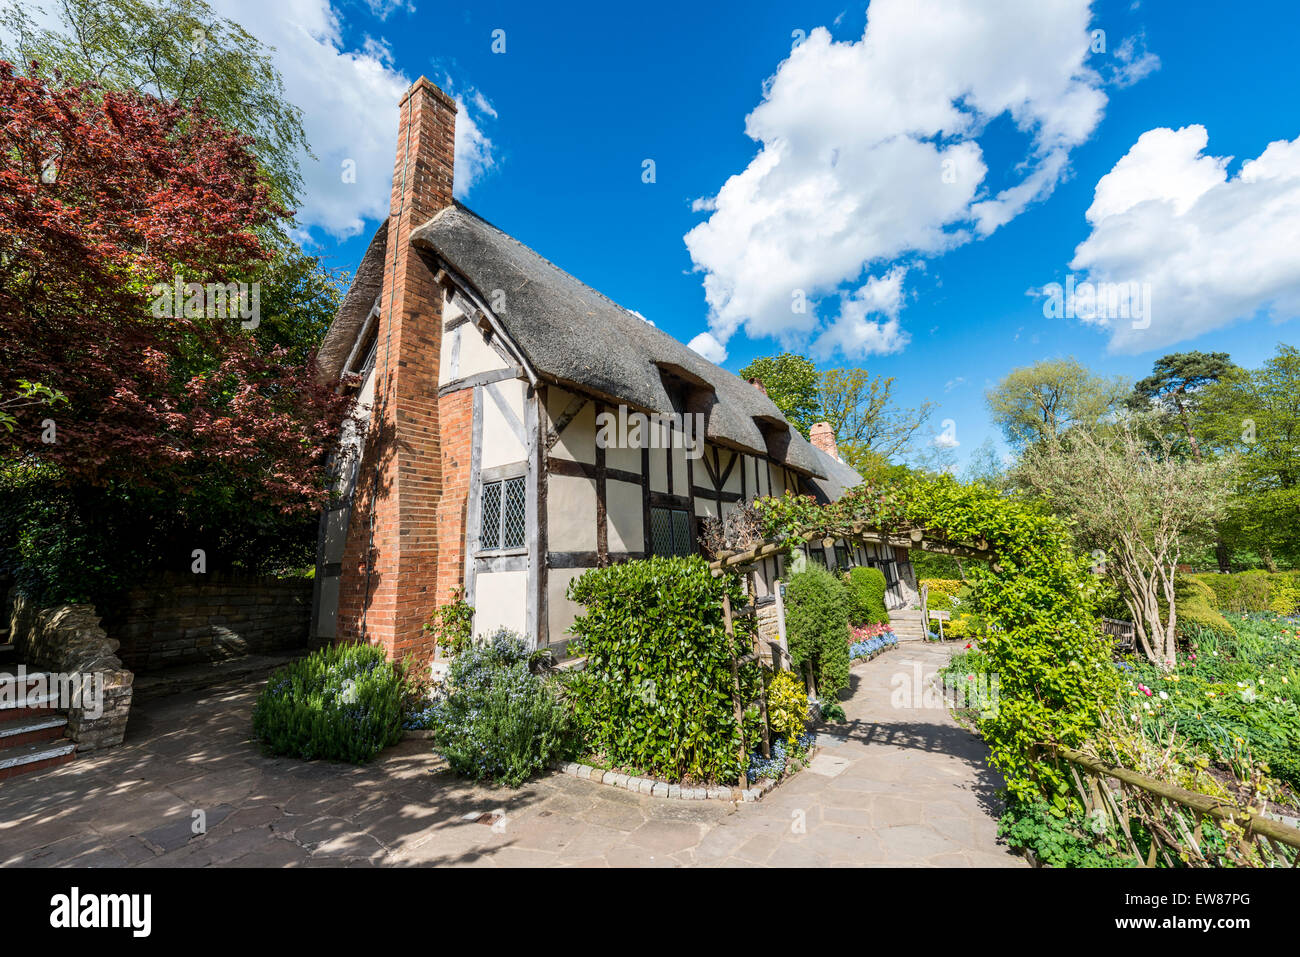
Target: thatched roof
column 573, row 335
column 366, row 286
column 839, row 477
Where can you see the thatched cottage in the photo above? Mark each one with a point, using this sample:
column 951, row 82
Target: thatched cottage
column 522, row 427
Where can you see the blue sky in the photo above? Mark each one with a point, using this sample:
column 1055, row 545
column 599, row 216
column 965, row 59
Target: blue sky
column 559, row 125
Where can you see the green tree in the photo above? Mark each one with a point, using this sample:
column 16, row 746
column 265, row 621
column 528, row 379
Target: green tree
column 868, row 426
column 1043, row 400
column 176, row 50
column 1136, row 506
column 1172, row 390
column 1256, row 414
column 791, row 383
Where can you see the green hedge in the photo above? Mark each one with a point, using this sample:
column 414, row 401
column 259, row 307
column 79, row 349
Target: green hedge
column 817, row 628
column 867, row 597
column 1254, row 591
column 342, row 703
column 656, row 692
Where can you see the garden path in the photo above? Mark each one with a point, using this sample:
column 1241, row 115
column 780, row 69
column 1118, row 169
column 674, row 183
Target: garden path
column 891, row 787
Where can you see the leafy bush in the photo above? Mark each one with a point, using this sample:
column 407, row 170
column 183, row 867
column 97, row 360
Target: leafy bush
column 452, row 624
column 787, row 706
column 342, row 703
column 1060, row 839
column 656, row 691
column 499, row 720
column 817, row 628
column 1194, row 605
column 867, row 597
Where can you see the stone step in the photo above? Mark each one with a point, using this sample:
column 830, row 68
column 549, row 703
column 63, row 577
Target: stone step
column 26, row 758
column 31, row 693
column 29, row 730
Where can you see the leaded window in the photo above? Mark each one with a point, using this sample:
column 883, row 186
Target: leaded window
column 670, row 531
column 503, row 515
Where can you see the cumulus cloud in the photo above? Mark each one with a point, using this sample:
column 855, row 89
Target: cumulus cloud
column 869, row 150
column 1213, row 248
column 349, row 103
column 709, row 347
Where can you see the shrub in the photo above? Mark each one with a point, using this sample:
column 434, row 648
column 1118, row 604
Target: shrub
column 787, row 706
column 342, row 703
column 452, row 624
column 656, row 691
column 1061, row 839
column 499, row 720
column 1194, row 604
column 817, row 628
column 867, row 597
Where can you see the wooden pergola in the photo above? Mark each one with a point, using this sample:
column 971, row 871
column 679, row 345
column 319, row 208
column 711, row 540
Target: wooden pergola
column 919, row 538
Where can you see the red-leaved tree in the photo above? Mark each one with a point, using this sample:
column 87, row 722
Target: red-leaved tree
column 106, row 200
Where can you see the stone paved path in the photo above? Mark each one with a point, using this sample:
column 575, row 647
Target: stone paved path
column 892, row 787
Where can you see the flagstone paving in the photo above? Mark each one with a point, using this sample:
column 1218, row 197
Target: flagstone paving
column 891, row 787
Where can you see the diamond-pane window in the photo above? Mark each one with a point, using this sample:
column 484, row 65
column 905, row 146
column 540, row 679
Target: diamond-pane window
column 661, row 531
column 490, row 537
column 670, row 532
column 682, row 533
column 512, row 519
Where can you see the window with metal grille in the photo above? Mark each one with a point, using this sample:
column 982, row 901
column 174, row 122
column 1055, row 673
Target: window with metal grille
column 670, row 531
column 816, row 553
column 842, row 557
column 502, row 517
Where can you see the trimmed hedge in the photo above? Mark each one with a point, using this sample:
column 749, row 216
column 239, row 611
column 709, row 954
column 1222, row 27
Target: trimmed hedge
column 817, row 628
column 656, row 692
column 867, row 597
column 341, row 703
column 1194, row 602
column 1254, row 591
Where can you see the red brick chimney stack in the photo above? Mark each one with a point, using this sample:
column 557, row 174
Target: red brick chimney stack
column 758, row 384
column 823, row 437
column 389, row 582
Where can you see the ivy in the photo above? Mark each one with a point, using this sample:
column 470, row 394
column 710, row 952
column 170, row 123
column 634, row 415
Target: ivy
column 1037, row 596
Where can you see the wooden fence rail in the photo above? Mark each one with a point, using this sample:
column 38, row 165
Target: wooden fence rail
column 1263, row 841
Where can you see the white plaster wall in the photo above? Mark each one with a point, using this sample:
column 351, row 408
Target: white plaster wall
column 561, row 610
column 500, row 444
column 571, row 514
column 500, row 601
column 578, row 440
column 625, row 516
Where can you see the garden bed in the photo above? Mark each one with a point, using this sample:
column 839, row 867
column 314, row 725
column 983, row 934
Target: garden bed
column 654, row 787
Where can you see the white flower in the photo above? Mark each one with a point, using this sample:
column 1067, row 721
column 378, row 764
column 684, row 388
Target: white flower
column 1164, row 695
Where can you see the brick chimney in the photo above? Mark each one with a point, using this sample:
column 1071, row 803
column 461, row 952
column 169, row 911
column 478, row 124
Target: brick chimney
column 388, row 585
column 823, row 437
column 758, row 384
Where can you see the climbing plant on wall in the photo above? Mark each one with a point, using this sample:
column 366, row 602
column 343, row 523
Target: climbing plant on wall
column 1036, row 593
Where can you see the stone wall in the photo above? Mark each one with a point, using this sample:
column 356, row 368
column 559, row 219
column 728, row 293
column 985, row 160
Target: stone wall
column 67, row 640
column 192, row 619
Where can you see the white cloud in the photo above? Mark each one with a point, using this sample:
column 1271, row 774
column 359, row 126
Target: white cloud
column 868, row 151
column 855, row 335
column 1133, row 61
column 349, row 103
column 1214, row 249
column 709, row 347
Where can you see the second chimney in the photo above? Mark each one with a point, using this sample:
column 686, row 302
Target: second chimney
column 823, row 437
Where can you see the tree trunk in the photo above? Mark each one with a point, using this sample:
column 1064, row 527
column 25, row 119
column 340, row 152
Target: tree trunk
column 1222, row 556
